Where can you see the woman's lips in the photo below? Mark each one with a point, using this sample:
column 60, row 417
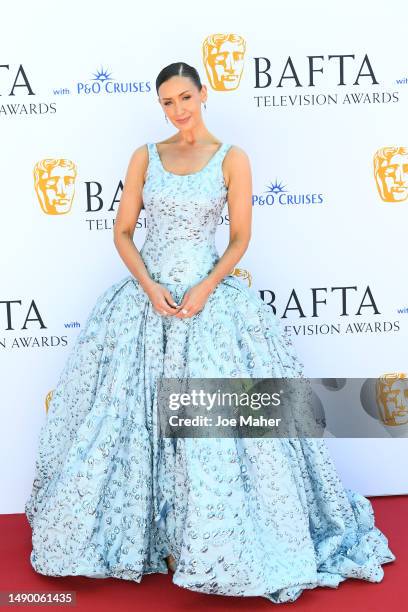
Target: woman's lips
column 183, row 120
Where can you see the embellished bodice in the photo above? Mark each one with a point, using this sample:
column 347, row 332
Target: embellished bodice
column 182, row 215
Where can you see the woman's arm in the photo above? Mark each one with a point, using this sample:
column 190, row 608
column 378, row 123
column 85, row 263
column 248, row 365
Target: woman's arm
column 239, row 182
column 128, row 214
column 124, row 228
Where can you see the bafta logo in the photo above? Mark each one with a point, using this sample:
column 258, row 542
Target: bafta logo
column 48, row 399
column 54, row 183
column 385, row 399
column 392, row 399
column 223, row 58
column 391, row 173
column 244, row 274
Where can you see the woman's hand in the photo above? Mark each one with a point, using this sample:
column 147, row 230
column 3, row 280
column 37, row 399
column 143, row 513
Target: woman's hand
column 161, row 299
column 193, row 300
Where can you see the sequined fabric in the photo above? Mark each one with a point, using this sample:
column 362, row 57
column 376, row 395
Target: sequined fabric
column 242, row 517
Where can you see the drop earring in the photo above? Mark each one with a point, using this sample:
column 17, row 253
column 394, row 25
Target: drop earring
column 205, row 106
column 165, row 116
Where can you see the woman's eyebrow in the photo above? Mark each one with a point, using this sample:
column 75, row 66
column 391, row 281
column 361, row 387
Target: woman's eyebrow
column 180, row 94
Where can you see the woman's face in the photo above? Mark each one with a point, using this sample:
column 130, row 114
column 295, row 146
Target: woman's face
column 181, row 101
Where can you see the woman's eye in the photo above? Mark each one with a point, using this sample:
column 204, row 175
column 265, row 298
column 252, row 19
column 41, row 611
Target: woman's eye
column 185, row 98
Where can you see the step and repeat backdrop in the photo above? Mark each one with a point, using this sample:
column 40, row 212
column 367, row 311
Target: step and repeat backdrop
column 318, row 98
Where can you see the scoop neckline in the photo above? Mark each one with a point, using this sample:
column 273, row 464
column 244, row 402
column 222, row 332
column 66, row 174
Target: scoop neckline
column 191, row 173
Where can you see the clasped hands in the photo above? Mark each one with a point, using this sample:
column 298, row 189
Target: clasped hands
column 193, row 300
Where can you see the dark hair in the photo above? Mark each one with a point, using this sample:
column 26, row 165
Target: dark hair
column 178, row 69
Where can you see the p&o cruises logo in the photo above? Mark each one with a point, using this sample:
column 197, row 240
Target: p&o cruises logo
column 103, row 82
column 276, row 193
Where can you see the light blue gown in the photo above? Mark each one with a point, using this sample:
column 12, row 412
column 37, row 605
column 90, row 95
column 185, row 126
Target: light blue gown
column 242, row 517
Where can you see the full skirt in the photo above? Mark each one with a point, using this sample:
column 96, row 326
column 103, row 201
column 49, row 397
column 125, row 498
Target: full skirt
column 241, row 516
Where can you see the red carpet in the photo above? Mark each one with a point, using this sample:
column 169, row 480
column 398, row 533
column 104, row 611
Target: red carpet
column 156, row 592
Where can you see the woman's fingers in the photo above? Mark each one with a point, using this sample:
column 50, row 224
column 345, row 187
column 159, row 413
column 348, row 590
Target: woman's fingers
column 163, row 308
column 171, row 301
column 186, row 311
column 168, row 306
column 164, row 303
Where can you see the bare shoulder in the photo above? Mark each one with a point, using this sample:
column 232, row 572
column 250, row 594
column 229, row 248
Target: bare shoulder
column 236, row 156
column 138, row 162
column 140, row 155
column 236, row 163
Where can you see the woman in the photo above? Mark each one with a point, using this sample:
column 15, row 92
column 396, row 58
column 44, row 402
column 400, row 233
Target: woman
column 234, row 516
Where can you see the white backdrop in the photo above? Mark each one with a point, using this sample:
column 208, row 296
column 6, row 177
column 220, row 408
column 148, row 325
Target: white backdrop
column 306, row 142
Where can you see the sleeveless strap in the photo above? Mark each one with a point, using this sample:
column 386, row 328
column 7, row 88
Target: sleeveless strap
column 224, row 150
column 152, row 151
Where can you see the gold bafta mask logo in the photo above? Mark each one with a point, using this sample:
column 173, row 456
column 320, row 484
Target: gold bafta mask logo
column 391, row 173
column 48, row 399
column 54, row 183
column 223, row 58
column 392, row 399
column 244, row 274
